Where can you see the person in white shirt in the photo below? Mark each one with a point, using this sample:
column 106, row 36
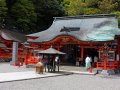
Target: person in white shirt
column 88, row 62
column 56, row 59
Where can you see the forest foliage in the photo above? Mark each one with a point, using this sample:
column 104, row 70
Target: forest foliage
column 29, row 16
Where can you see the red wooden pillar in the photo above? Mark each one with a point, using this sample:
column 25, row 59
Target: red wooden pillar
column 118, row 41
column 99, row 58
column 0, row 52
column 105, row 62
column 105, row 54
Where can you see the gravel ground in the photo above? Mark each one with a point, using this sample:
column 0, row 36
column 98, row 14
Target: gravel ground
column 68, row 82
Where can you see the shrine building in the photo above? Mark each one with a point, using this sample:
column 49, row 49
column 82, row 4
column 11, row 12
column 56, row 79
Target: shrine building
column 78, row 36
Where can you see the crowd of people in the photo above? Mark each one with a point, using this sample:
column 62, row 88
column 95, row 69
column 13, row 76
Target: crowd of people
column 52, row 61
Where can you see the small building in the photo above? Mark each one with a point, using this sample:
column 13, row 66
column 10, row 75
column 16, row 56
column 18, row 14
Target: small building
column 10, row 45
column 83, row 35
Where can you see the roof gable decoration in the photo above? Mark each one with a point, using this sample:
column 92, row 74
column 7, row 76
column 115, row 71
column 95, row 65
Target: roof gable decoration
column 68, row 29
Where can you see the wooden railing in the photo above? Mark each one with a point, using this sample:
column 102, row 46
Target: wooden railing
column 110, row 65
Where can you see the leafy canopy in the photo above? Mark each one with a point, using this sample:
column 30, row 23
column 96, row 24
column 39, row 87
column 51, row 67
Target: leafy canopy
column 23, row 12
column 3, row 10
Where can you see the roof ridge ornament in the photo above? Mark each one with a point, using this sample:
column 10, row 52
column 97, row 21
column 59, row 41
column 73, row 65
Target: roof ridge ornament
column 69, row 29
column 84, row 16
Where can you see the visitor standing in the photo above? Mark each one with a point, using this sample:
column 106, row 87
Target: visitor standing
column 56, row 60
column 87, row 62
column 95, row 60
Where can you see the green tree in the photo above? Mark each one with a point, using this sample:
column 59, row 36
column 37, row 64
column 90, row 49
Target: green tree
column 91, row 11
column 74, row 7
column 3, row 10
column 60, row 1
column 92, row 3
column 107, row 6
column 118, row 1
column 9, row 4
column 46, row 10
column 24, row 16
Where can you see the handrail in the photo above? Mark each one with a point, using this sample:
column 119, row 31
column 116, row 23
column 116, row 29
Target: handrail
column 110, row 65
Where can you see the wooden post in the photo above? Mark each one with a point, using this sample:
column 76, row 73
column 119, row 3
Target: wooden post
column 58, row 48
column 118, row 42
column 54, row 64
column 82, row 53
column 0, row 52
column 105, row 62
column 105, row 54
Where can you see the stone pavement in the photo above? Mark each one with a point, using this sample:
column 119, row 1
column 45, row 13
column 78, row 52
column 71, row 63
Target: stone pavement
column 17, row 76
column 14, row 73
column 63, row 82
column 6, row 67
column 77, row 69
column 25, row 75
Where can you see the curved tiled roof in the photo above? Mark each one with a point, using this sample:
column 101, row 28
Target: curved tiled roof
column 12, row 36
column 91, row 28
